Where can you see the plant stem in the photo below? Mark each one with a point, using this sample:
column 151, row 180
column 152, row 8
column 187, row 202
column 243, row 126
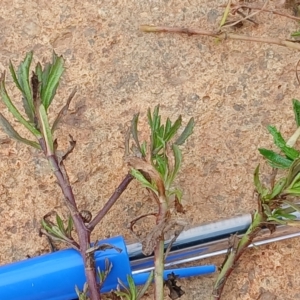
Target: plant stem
column 235, row 252
column 111, row 201
column 220, row 36
column 83, row 233
column 159, row 270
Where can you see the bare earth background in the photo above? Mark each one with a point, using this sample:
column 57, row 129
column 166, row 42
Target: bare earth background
column 233, row 90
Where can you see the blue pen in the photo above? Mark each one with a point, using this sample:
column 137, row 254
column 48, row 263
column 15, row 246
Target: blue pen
column 54, row 276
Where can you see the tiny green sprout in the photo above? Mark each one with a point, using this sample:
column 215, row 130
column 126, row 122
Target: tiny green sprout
column 82, row 295
column 129, row 291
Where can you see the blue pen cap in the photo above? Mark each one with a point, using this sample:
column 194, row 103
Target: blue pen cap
column 54, row 276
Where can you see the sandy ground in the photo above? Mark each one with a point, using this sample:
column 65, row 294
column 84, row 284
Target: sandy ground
column 233, row 89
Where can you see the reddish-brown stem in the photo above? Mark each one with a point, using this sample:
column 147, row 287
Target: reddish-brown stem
column 221, row 35
column 82, row 231
column 111, row 201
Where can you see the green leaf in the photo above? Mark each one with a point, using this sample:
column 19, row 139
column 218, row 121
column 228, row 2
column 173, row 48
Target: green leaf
column 69, row 226
column 275, row 160
column 25, row 86
column 124, row 287
column 140, row 177
column 144, row 149
column 150, row 121
column 161, row 165
column 295, row 34
column 293, row 175
column 278, row 188
column 10, row 131
column 50, row 80
column 295, row 206
column 280, row 142
column 226, row 13
column 60, row 224
column 292, row 192
column 134, row 131
column 296, row 108
column 143, row 290
column 257, row 183
column 172, row 131
column 14, row 76
column 47, row 134
column 168, row 126
column 188, row 130
column 177, row 164
column 39, row 72
column 7, row 101
column 132, row 287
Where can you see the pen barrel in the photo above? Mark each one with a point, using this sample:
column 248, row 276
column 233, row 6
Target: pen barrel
column 208, row 240
column 141, row 278
column 54, row 276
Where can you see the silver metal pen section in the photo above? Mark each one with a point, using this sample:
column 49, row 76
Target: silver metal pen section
column 207, row 240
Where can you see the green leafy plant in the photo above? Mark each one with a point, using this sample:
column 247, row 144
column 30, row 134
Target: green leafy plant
column 155, row 164
column 38, row 91
column 275, row 202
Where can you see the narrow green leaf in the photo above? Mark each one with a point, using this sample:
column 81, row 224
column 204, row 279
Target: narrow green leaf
column 161, row 131
column 156, row 118
column 134, row 131
column 259, row 187
column 7, row 101
column 281, row 144
column 295, row 206
column 267, row 210
column 143, row 290
column 132, row 287
column 123, row 285
column 296, row 33
column 287, row 216
column 226, row 13
column 278, row 188
column 14, row 76
column 47, row 134
column 177, row 163
column 188, row 130
column 173, row 130
column 275, row 160
column 292, row 192
column 12, row 133
column 39, row 72
column 45, row 75
column 24, row 82
column 27, row 109
column 60, row 224
column 296, row 108
column 69, row 226
column 161, row 165
column 168, row 126
column 149, row 118
column 49, row 228
column 49, row 88
column 140, row 177
column 293, row 174
column 144, row 148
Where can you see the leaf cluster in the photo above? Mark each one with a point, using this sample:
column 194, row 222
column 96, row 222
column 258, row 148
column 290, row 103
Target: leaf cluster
column 163, row 150
column 271, row 199
column 38, row 91
column 58, row 231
